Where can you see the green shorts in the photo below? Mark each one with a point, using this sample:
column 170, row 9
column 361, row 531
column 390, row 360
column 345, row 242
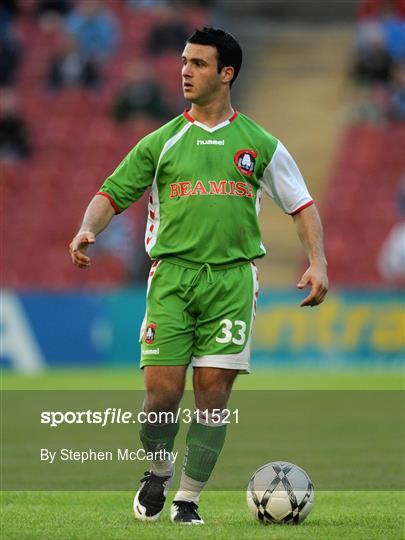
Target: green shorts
column 201, row 314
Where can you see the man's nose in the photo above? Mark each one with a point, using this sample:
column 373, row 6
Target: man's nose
column 186, row 71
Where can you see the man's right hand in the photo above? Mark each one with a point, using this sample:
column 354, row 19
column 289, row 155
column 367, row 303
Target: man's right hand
column 78, row 248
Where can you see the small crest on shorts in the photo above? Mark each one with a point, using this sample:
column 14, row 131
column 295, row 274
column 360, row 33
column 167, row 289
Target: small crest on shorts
column 149, row 335
column 245, row 161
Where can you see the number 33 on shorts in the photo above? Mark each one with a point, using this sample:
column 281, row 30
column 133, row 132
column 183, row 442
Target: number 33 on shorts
column 234, row 332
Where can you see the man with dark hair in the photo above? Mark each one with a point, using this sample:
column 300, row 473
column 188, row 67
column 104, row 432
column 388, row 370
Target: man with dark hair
column 207, row 169
column 228, row 49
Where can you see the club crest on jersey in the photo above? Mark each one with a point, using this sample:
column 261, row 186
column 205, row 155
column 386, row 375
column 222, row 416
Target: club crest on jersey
column 245, row 161
column 149, row 335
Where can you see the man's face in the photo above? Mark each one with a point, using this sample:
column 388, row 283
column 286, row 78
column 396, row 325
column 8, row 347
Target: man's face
column 200, row 77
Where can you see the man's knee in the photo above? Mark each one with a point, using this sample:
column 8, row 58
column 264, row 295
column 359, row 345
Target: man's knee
column 164, row 387
column 212, row 386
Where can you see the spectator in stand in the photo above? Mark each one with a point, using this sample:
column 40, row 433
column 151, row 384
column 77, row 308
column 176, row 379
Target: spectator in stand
column 9, row 11
column 397, row 96
column 96, row 29
column 388, row 17
column 378, row 64
column 141, row 95
column 10, row 47
column 10, row 57
column 14, row 142
column 53, row 7
column 169, row 34
column 393, row 28
column 68, row 68
column 373, row 63
column 50, row 12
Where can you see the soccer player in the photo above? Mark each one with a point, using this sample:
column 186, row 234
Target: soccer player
column 206, row 169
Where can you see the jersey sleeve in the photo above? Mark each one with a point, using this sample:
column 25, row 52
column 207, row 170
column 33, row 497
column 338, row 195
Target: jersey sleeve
column 284, row 183
column 131, row 178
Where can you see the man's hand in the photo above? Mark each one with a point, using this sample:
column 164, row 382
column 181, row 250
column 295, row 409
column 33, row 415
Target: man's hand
column 78, row 248
column 316, row 277
column 309, row 229
column 96, row 218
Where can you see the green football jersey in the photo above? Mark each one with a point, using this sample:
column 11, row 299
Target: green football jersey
column 206, row 185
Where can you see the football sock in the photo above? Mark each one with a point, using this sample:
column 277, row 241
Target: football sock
column 204, row 443
column 162, row 467
column 189, row 489
column 159, row 437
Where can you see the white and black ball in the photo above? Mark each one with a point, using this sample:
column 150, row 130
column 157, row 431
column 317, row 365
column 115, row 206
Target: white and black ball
column 280, row 492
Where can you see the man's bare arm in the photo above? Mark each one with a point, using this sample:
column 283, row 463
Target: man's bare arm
column 310, row 232
column 96, row 218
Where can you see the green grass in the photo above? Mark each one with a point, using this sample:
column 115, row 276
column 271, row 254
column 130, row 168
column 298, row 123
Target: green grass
column 108, row 515
column 92, row 515
column 281, row 379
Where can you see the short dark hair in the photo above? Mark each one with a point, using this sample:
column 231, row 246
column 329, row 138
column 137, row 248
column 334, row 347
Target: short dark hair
column 229, row 50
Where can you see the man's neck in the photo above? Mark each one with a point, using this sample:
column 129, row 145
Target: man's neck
column 212, row 114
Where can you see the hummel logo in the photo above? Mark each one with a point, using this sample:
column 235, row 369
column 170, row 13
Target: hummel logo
column 150, row 351
column 211, row 141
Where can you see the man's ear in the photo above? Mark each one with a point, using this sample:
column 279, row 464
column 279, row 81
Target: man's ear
column 227, row 74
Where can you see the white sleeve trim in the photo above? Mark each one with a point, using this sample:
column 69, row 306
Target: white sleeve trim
column 153, row 223
column 284, row 183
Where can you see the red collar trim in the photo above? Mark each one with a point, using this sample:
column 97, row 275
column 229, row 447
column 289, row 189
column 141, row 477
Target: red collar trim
column 188, row 116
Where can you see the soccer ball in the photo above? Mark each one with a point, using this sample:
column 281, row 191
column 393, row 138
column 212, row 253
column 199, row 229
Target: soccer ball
column 280, row 492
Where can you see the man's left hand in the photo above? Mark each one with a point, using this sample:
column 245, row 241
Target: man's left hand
column 316, row 277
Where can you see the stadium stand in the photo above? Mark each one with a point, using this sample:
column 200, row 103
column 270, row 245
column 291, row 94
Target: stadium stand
column 76, row 145
column 298, row 89
column 354, row 165
column 360, row 209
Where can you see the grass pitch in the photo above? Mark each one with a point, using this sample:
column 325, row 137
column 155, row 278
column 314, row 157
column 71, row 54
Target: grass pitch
column 92, row 515
column 279, row 379
column 108, row 515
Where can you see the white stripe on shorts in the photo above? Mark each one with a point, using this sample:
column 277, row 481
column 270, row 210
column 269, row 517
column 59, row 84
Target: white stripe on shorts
column 152, row 271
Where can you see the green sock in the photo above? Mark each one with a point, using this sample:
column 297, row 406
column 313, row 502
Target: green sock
column 204, row 444
column 157, row 437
